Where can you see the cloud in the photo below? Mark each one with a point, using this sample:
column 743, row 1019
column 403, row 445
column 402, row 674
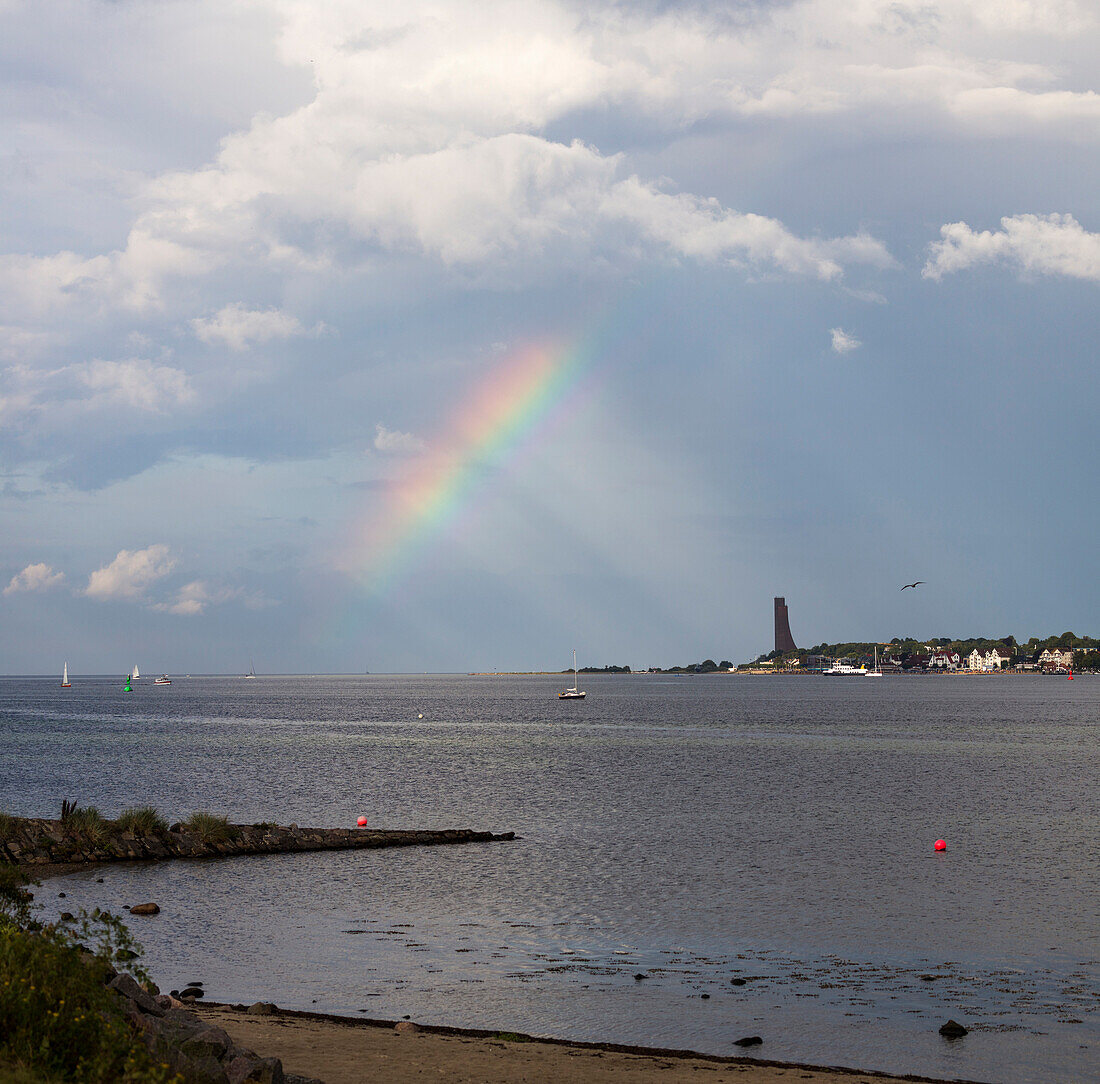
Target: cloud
column 88, row 386
column 393, row 442
column 136, row 382
column 1053, row 244
column 193, row 598
column 239, row 327
column 448, row 135
column 39, row 577
column 843, row 342
column 130, row 574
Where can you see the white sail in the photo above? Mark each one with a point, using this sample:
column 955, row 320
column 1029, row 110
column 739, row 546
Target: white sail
column 65, row 674
column 136, row 674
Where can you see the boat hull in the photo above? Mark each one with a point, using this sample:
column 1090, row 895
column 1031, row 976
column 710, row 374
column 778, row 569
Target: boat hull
column 571, row 696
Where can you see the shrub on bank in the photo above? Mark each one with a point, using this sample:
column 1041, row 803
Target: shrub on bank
column 58, row 1022
column 143, row 821
column 210, row 828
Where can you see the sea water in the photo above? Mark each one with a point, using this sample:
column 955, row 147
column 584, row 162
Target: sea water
column 691, row 830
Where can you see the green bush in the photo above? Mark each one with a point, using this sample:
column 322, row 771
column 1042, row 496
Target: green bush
column 210, row 828
column 58, row 1022
column 15, row 899
column 142, row 821
column 8, row 825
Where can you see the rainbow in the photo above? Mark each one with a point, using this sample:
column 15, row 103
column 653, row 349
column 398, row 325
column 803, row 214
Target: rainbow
column 492, row 426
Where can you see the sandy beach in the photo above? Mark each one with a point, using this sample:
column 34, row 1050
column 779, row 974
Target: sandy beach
column 343, row 1051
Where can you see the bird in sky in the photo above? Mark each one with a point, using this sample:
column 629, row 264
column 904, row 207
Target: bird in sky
column 917, row 584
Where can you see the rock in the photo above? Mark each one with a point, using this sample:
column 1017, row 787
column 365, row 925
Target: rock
column 953, row 1030
column 737, row 982
column 749, row 1040
column 99, row 880
column 209, row 1043
column 192, row 991
column 203, row 1070
column 196, row 982
column 261, row 1008
column 61, row 895
column 639, row 977
column 406, row 1027
column 128, row 987
column 705, row 997
column 145, row 909
column 250, row 1068
column 66, row 916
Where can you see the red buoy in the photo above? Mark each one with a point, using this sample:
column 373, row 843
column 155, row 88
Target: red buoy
column 1070, row 675
column 941, row 845
column 362, row 822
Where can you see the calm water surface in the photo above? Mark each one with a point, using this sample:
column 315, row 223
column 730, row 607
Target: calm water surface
column 693, row 830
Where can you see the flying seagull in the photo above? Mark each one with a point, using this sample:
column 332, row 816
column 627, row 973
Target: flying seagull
column 913, row 584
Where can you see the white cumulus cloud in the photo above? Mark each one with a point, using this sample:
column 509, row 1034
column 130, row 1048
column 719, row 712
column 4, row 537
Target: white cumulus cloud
column 843, row 342
column 239, row 327
column 394, row 442
column 131, row 573
column 1053, row 244
column 39, row 577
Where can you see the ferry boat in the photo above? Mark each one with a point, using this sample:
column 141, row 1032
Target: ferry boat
column 843, row 669
column 162, row 680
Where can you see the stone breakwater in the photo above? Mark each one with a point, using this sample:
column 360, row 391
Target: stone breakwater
column 34, row 842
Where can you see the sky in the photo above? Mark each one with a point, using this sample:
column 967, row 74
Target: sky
column 364, row 336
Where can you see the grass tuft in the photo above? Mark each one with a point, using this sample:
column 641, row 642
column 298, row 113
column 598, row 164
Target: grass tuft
column 142, row 821
column 210, row 828
column 88, row 825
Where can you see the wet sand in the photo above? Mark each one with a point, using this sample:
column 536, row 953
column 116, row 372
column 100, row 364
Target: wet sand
column 343, row 1051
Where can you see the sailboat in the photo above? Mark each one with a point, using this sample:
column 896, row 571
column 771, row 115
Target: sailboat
column 251, row 669
column 65, row 682
column 876, row 672
column 573, row 693
column 134, row 673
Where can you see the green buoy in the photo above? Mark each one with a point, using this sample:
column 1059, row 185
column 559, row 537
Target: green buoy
column 127, row 688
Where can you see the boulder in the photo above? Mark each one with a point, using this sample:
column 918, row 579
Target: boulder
column 406, row 1027
column 953, row 1030
column 128, row 987
column 202, row 1070
column 192, row 991
column 748, row 1040
column 211, row 1042
column 261, row 1008
column 145, row 909
column 248, row 1068
column 737, row 982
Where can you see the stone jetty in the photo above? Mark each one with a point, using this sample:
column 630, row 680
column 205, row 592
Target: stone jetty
column 31, row 842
